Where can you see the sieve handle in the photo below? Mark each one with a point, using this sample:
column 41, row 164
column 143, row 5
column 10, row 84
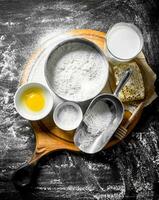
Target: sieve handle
column 123, row 81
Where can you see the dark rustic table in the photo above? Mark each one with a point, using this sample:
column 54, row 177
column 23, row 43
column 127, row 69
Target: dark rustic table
column 129, row 170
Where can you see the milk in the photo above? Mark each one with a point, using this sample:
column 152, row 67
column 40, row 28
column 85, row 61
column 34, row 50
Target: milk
column 124, row 41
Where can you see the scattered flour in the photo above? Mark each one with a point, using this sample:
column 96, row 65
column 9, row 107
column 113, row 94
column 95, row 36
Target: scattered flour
column 77, row 71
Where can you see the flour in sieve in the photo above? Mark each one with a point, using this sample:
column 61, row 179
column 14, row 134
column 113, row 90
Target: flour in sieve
column 78, row 71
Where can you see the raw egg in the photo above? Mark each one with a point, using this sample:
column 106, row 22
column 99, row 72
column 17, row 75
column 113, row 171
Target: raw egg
column 34, row 99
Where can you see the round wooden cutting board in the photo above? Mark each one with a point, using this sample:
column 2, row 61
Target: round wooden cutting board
column 50, row 138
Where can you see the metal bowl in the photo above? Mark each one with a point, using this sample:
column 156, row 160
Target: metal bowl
column 48, row 75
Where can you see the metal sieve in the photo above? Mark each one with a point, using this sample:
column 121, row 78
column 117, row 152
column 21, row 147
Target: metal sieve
column 48, row 69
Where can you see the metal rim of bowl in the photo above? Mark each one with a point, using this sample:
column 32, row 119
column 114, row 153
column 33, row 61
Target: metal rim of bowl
column 85, row 41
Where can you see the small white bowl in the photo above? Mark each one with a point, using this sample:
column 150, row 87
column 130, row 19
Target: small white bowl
column 28, row 114
column 67, row 116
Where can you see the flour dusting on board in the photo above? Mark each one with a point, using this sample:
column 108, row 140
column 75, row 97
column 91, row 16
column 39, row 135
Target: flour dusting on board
column 76, row 71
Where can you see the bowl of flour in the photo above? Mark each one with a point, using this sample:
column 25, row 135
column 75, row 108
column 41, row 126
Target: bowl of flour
column 76, row 70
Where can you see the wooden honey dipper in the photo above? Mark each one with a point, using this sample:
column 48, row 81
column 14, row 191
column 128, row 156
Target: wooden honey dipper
column 122, row 130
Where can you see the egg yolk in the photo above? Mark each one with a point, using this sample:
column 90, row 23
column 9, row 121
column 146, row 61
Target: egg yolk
column 34, row 99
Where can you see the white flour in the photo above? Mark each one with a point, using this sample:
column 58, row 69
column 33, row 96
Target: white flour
column 98, row 119
column 97, row 122
column 77, row 71
column 68, row 115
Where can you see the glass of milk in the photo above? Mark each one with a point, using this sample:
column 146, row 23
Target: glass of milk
column 124, row 42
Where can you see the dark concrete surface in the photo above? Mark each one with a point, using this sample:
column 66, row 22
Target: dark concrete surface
column 129, row 170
